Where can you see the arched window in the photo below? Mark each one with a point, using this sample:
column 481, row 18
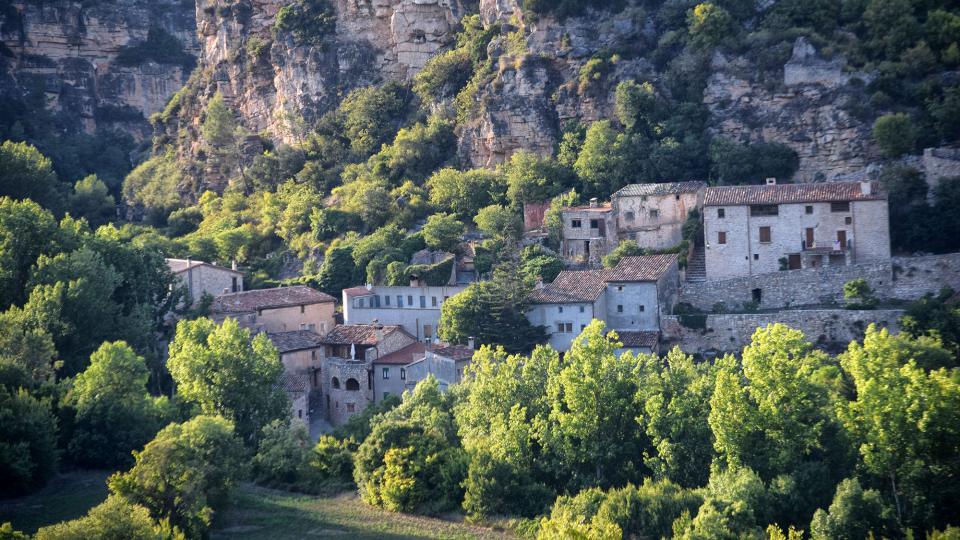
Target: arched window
column 336, row 383
column 352, row 384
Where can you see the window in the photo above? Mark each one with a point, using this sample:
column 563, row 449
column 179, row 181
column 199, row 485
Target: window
column 423, row 301
column 303, row 309
column 564, row 327
column 642, row 308
column 336, row 383
column 575, row 223
column 559, row 309
column 756, row 256
column 386, row 300
column 569, row 327
column 654, row 213
column 619, row 288
column 410, row 300
column 721, row 213
column 677, row 197
column 808, row 209
column 353, row 384
column 594, row 223
column 351, row 407
column 582, row 309
column 386, row 373
column 312, row 327
column 764, row 235
column 843, row 206
column 582, row 327
column 764, row 210
column 313, row 354
column 433, row 301
column 629, row 216
column 848, row 220
column 619, row 308
column 722, row 237
column 403, row 374
column 428, row 331
column 299, row 413
column 233, row 286
column 399, row 300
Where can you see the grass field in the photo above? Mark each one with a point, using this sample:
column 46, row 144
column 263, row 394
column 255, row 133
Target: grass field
column 67, row 496
column 264, row 513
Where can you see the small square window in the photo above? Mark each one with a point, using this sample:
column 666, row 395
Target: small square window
column 594, row 223
column 721, row 213
column 756, row 256
column 582, row 326
column 559, row 309
column 677, row 196
column 619, row 308
column 848, row 220
column 619, row 288
column 654, row 213
column 642, row 308
column 575, row 223
column 808, row 209
column 569, row 328
column 765, row 235
column 722, row 237
column 582, row 309
column 386, row 395
column 629, row 216
column 351, row 407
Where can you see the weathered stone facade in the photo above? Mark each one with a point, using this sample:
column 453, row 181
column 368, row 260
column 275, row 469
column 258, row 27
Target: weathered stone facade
column 653, row 219
column 201, row 278
column 830, row 329
column 914, row 277
column 589, row 233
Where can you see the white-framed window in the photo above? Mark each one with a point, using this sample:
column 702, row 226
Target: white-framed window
column 386, row 373
column 403, row 374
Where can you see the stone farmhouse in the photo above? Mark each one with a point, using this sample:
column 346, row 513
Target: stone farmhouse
column 200, row 278
column 301, row 352
column 351, row 352
column 401, row 370
column 282, row 309
column 415, row 308
column 631, row 298
column 589, row 232
column 653, row 215
column 750, row 230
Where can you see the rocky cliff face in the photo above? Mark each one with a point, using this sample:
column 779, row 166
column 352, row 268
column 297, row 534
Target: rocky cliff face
column 85, row 60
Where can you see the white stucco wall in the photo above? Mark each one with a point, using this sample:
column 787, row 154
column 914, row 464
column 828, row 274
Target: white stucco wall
column 413, row 318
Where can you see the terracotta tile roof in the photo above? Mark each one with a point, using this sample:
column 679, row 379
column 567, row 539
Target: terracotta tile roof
column 605, row 207
column 296, row 340
column 357, row 334
column 404, row 356
column 670, row 188
column 182, row 265
column 642, row 268
column 247, row 301
column 571, row 286
column 639, row 338
column 790, row 193
column 296, row 382
column 457, row 353
column 357, row 291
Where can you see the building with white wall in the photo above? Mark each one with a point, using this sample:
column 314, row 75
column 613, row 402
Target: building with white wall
column 653, row 215
column 750, row 230
column 630, row 298
column 414, row 308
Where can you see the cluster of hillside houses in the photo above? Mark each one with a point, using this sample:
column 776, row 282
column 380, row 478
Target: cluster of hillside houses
column 388, row 342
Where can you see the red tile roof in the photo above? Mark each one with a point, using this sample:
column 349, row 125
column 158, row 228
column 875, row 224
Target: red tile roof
column 639, row 338
column 296, row 340
column 247, row 301
column 457, row 353
column 652, row 190
column 357, row 291
column 404, row 356
column 358, row 334
column 642, row 267
column 790, row 193
column 605, row 207
column 571, row 286
column 296, row 383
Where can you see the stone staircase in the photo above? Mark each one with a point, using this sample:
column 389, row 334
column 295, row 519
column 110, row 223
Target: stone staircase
column 697, row 266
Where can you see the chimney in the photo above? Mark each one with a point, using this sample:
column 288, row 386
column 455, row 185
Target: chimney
column 866, row 188
column 594, row 203
column 414, row 281
column 233, row 265
column 470, row 342
column 539, row 284
column 771, row 181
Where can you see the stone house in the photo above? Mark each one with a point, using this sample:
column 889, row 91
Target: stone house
column 282, row 309
column 415, row 308
column 631, row 298
column 351, row 352
column 301, row 352
column 653, row 215
column 201, row 278
column 589, row 232
column 759, row 229
column 401, row 370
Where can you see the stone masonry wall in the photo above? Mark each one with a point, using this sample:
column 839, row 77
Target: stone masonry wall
column 829, row 329
column 915, row 276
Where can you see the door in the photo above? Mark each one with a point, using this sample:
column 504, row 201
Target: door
column 602, row 228
column 793, row 261
column 809, row 243
column 842, row 239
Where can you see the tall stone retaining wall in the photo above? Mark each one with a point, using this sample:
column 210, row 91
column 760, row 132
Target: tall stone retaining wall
column 915, row 276
column 903, row 278
column 829, row 329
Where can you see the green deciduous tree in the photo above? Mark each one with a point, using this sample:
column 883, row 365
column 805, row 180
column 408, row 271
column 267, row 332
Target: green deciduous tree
column 604, row 163
column 443, row 232
column 895, row 135
column 710, row 25
column 854, row 513
column 225, row 372
column 531, row 178
column 185, row 474
column 26, row 174
column 282, row 453
column 500, row 222
column 26, row 232
column 465, row 193
column 114, row 518
column 627, row 248
column 92, row 201
column 28, row 443
column 114, row 414
column 338, row 269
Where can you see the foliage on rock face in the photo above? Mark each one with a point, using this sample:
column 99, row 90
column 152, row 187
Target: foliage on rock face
column 412, row 460
column 228, row 373
column 28, row 443
column 894, row 133
column 309, row 21
column 185, row 474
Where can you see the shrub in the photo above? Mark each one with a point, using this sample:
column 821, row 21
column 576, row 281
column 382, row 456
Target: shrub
column 627, row 248
column 854, row 513
column 330, row 461
column 894, row 134
column 115, row 518
column 858, row 294
column 281, row 454
column 710, row 25
column 443, row 232
column 310, row 22
column 28, row 443
column 444, row 76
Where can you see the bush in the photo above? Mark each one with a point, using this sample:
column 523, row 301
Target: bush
column 309, row 21
column 859, row 295
column 115, row 518
column 26, row 174
column 28, row 443
column 443, row 232
column 894, row 134
column 710, row 25
column 443, row 76
column 330, row 461
column 627, row 248
column 281, row 454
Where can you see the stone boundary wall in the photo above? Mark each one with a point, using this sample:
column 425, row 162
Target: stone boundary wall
column 828, row 329
column 903, row 278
